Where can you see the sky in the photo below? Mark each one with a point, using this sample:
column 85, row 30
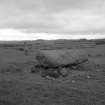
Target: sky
column 52, row 19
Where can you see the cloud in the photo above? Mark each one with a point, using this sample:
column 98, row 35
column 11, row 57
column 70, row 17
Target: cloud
column 67, row 21
column 14, row 34
column 72, row 21
column 53, row 16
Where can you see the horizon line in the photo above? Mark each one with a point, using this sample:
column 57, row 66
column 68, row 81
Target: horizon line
column 50, row 39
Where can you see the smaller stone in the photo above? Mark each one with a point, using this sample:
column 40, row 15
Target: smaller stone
column 88, row 77
column 73, row 81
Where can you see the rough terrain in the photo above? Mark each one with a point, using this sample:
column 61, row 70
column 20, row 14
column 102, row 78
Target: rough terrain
column 18, row 86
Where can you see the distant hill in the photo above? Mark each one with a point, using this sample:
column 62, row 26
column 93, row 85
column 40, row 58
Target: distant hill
column 100, row 41
column 52, row 44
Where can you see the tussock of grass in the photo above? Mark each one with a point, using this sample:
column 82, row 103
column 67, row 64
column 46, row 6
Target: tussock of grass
column 10, row 68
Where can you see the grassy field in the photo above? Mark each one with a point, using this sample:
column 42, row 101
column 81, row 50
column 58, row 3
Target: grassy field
column 18, row 86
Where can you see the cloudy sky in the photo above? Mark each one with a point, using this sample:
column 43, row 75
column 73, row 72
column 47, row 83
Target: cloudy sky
column 51, row 19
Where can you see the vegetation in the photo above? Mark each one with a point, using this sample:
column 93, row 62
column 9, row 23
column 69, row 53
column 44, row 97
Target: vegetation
column 21, row 82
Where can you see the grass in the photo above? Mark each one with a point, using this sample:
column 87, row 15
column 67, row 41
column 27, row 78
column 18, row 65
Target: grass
column 18, row 86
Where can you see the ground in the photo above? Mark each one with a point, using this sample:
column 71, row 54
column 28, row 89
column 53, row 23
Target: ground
column 18, row 86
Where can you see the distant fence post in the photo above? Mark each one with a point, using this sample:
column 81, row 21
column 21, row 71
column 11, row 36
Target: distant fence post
column 25, row 48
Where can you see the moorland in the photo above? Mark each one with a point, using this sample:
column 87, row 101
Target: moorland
column 19, row 86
